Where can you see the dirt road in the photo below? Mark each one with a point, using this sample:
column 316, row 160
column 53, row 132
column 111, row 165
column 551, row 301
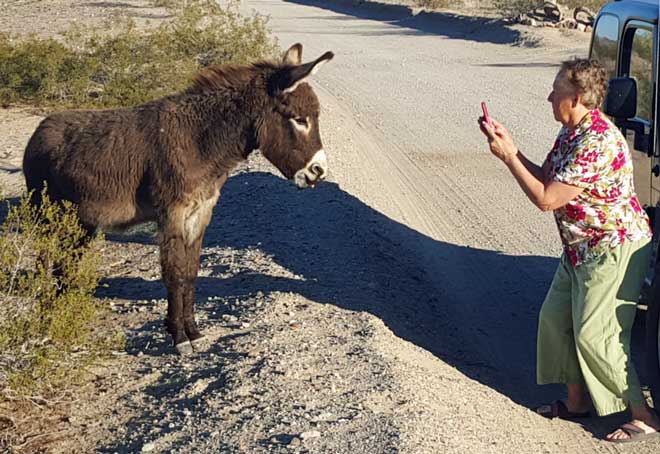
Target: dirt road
column 392, row 309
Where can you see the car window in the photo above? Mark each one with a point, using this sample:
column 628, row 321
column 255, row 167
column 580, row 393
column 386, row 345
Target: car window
column 604, row 44
column 641, row 69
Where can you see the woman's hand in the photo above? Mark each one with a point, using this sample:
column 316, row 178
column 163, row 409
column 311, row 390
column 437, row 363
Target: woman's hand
column 499, row 139
column 544, row 193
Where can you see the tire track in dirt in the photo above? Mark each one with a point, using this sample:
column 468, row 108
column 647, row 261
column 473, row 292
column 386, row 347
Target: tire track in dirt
column 392, row 175
column 459, row 197
column 433, row 209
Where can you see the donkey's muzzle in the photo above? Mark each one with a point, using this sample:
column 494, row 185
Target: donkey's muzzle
column 315, row 171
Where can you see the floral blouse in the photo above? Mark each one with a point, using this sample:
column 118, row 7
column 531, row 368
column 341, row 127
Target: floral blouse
column 596, row 158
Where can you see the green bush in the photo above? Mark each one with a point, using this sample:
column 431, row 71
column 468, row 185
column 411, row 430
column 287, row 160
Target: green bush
column 92, row 68
column 49, row 319
column 163, row 3
column 437, row 4
column 593, row 5
column 34, row 69
column 515, row 7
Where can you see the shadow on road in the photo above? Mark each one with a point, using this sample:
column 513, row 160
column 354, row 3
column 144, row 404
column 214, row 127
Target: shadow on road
column 474, row 309
column 450, row 25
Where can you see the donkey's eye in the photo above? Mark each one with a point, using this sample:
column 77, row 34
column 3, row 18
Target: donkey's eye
column 300, row 124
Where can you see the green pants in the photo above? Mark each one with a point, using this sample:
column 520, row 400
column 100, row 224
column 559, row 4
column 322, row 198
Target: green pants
column 585, row 326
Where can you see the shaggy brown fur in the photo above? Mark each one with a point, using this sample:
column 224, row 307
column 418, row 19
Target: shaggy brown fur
column 166, row 160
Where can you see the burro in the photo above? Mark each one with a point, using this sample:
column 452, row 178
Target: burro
column 166, row 161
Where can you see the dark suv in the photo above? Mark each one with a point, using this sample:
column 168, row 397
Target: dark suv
column 626, row 40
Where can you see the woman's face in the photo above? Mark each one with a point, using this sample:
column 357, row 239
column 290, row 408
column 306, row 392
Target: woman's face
column 563, row 99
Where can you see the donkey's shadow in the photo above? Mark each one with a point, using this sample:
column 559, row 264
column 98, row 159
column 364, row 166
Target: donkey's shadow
column 350, row 255
column 474, row 309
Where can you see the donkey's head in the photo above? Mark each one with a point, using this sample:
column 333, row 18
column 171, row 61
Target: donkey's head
column 288, row 135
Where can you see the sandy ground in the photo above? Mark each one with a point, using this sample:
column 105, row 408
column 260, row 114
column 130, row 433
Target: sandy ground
column 400, row 316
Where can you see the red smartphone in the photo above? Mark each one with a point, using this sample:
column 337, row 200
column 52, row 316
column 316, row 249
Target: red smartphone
column 485, row 111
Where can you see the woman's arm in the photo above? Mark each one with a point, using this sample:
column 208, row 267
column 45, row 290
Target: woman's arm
column 545, row 194
column 534, row 169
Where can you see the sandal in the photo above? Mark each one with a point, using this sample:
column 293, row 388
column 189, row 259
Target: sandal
column 558, row 409
column 634, row 433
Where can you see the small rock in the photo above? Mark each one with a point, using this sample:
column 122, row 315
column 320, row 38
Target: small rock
column 310, row 434
column 295, row 442
column 148, row 447
column 323, row 417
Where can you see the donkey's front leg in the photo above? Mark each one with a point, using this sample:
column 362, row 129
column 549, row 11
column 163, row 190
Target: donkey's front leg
column 178, row 283
column 192, row 258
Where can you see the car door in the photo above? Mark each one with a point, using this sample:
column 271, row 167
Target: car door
column 655, row 178
column 637, row 61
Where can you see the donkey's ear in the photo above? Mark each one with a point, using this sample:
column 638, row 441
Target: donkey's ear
column 292, row 77
column 293, row 56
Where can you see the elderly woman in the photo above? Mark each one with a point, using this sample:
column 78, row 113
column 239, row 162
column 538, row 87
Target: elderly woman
column 587, row 316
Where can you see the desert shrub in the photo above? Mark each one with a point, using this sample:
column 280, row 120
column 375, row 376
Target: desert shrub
column 593, row 5
column 437, row 4
column 515, row 7
column 34, row 69
column 49, row 319
column 93, row 68
column 163, row 3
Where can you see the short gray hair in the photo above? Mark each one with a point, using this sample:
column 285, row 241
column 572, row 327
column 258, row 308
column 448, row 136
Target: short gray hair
column 588, row 78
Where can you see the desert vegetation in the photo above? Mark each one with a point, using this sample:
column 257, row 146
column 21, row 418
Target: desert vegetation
column 91, row 67
column 52, row 329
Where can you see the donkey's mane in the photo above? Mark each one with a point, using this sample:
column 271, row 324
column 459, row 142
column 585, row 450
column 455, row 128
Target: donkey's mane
column 218, row 77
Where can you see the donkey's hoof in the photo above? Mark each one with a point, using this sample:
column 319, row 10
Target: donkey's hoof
column 199, row 343
column 184, row 348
